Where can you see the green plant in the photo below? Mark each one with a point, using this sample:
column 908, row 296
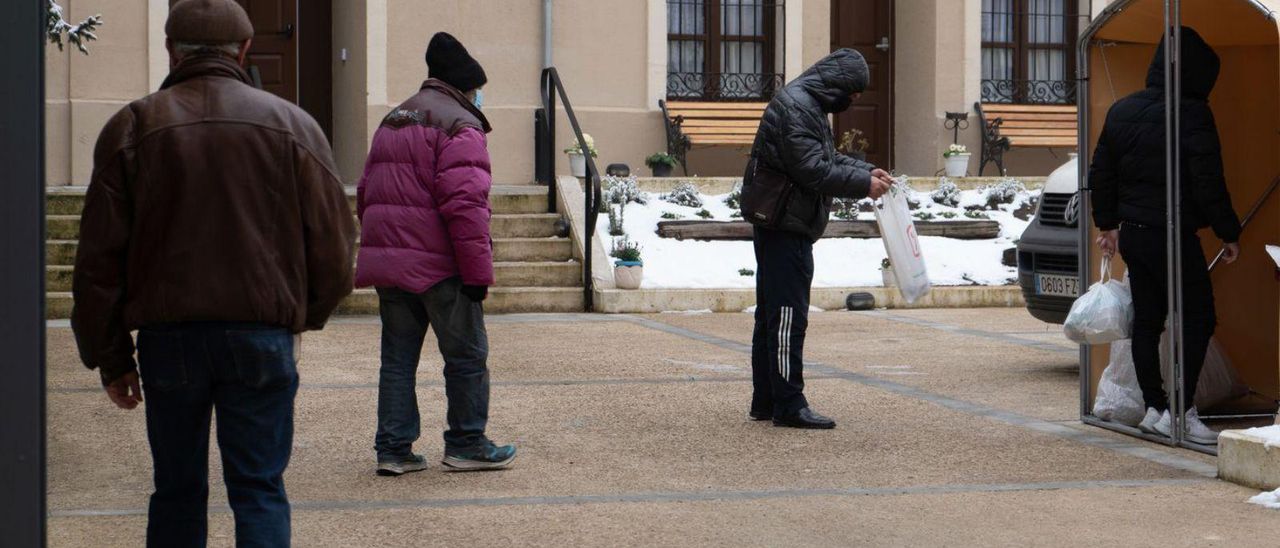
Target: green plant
column 625, row 250
column 955, row 150
column 924, row 216
column 735, row 215
column 77, row 35
column 948, row 215
column 975, row 214
column 671, row 216
column 734, row 199
column 615, row 221
column 705, row 214
column 576, row 148
column 885, row 264
column 660, row 159
column 685, row 194
column 746, row 272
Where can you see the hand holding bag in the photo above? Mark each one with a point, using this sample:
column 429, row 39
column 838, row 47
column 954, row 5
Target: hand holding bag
column 1102, row 315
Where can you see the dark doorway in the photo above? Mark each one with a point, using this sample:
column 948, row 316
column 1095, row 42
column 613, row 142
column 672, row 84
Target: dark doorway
column 867, row 26
column 292, row 53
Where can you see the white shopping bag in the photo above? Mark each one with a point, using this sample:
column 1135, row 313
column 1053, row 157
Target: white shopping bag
column 1219, row 381
column 902, row 243
column 1102, row 315
column 1119, row 398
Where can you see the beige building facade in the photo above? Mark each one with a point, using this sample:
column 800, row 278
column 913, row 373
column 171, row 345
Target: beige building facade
column 613, row 55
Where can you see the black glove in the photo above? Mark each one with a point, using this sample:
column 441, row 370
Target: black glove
column 476, row 293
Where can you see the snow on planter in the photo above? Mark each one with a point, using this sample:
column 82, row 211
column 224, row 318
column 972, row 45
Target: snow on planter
column 838, row 262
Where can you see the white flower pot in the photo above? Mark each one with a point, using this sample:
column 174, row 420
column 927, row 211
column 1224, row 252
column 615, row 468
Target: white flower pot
column 578, row 165
column 958, row 164
column 628, row 277
column 890, row 279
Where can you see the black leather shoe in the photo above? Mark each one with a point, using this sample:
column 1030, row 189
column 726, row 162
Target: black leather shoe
column 805, row 418
column 759, row 415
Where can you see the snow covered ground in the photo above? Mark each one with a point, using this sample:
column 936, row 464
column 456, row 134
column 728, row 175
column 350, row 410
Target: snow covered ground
column 838, row 262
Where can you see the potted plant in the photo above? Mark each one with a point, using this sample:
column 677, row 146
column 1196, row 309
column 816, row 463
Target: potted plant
column 578, row 160
column 886, row 273
column 661, row 163
column 628, row 270
column 854, row 144
column 957, row 160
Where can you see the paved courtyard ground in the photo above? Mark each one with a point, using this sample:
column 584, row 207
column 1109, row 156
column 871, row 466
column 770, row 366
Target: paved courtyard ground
column 956, row 428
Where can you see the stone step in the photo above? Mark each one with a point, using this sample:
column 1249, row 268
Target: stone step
column 502, row 300
column 515, row 225
column 508, row 274
column 504, row 200
column 523, row 225
column 364, row 302
column 63, row 252
column 538, row 274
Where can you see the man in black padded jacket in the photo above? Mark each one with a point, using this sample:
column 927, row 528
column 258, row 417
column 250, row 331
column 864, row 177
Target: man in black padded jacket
column 1129, row 184
column 795, row 140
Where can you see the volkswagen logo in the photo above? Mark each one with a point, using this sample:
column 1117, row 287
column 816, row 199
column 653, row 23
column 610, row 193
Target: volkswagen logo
column 1072, row 213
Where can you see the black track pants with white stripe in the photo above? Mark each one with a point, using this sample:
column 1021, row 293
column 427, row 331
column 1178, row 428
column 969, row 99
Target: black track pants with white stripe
column 784, row 273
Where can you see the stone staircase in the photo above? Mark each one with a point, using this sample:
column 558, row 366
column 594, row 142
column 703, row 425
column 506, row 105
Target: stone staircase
column 536, row 270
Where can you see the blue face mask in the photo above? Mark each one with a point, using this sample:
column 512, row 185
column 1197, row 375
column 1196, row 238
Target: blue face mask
column 479, row 100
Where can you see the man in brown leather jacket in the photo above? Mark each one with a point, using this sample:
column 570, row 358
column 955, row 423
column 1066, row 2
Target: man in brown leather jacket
column 217, row 227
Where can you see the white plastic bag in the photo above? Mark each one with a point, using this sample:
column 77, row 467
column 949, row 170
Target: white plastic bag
column 902, row 243
column 1119, row 398
column 1102, row 315
column 1219, row 381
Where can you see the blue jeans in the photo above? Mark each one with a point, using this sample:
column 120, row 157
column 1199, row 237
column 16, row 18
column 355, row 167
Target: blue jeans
column 459, row 328
column 248, row 373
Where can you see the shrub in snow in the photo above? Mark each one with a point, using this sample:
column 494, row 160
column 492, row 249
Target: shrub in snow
column 705, row 214
column 746, row 272
column 615, row 221
column 974, row 214
column 948, row 215
column 56, row 26
column 734, row 199
column 1003, row 192
column 924, row 216
column 671, row 216
column 623, row 190
column 845, row 208
column 947, row 193
column 685, row 194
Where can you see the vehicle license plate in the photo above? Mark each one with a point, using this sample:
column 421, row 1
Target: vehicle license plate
column 1058, row 286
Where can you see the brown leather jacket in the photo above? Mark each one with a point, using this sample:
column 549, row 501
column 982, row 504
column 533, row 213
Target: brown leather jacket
column 210, row 201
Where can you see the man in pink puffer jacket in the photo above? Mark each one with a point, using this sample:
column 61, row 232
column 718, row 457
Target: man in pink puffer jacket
column 424, row 212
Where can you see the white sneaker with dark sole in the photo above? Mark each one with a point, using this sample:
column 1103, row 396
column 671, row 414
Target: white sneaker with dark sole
column 412, row 463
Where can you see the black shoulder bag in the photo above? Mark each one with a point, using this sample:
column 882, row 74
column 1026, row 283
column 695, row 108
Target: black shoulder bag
column 766, row 194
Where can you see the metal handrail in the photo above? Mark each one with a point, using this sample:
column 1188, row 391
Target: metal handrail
column 551, row 86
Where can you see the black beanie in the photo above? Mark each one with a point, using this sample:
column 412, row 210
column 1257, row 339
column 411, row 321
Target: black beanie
column 448, row 61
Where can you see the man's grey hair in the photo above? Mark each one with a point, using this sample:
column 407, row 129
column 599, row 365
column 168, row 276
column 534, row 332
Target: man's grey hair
column 186, row 49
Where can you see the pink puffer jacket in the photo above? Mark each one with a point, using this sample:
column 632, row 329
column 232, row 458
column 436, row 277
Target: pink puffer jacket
column 423, row 201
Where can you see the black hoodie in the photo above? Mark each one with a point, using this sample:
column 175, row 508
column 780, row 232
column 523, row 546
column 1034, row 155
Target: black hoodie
column 795, row 139
column 1128, row 176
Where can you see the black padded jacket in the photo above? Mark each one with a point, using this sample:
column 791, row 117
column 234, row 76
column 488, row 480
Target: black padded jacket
column 795, row 139
column 1128, row 173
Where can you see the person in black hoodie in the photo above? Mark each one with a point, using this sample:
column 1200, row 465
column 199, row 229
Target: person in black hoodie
column 1129, row 184
column 796, row 141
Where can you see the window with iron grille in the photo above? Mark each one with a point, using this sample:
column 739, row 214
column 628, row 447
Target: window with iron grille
column 723, row 50
column 1028, row 51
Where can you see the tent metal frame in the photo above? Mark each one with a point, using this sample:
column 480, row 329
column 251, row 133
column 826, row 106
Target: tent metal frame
column 1173, row 101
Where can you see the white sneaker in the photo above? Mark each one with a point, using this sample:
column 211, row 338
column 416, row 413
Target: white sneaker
column 1148, row 423
column 1197, row 431
column 1164, row 426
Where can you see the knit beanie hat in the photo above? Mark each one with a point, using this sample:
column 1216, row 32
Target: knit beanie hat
column 448, row 61
column 208, row 22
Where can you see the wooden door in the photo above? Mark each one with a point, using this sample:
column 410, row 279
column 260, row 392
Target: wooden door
column 867, row 26
column 275, row 46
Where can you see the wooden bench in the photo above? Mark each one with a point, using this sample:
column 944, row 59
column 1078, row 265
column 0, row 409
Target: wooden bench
column 705, row 124
column 1007, row 126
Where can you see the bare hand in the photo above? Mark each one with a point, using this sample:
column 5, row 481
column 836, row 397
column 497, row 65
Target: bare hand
column 879, row 186
column 877, row 172
column 1108, row 242
column 1230, row 252
column 125, row 391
